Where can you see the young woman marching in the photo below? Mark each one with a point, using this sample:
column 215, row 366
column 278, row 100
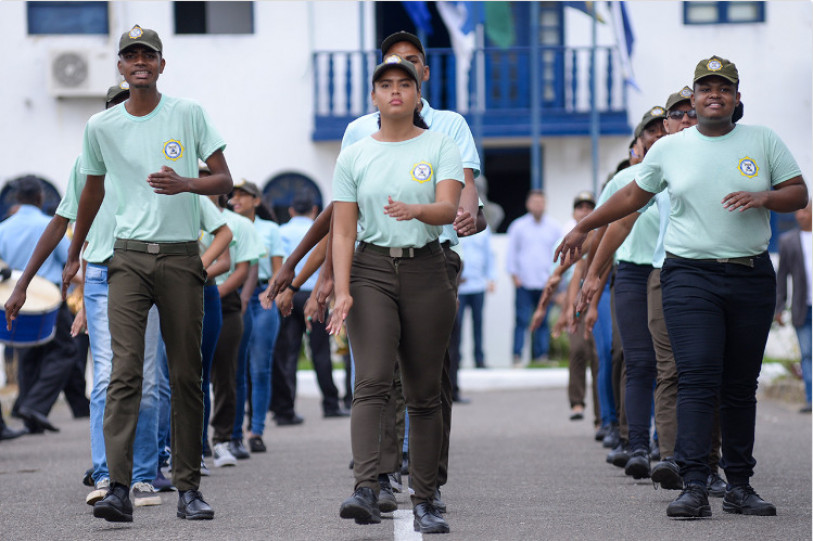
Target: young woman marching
column 718, row 282
column 398, row 186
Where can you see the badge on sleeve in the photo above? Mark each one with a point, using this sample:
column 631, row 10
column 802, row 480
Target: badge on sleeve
column 748, row 167
column 422, row 172
column 173, row 149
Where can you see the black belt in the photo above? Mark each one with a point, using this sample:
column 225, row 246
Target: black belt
column 262, row 284
column 401, row 253
column 744, row 261
column 156, row 248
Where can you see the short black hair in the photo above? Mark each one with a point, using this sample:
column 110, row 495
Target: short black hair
column 28, row 190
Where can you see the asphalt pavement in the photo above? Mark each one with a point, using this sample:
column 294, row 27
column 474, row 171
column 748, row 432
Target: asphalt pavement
column 519, row 470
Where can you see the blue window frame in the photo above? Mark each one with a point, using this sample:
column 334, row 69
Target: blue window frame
column 723, row 12
column 68, row 18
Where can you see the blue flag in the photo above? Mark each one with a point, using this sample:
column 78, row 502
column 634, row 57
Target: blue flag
column 419, row 13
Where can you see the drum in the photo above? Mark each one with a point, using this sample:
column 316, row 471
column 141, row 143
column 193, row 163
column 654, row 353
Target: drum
column 36, row 322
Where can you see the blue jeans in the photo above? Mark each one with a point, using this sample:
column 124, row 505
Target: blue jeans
column 718, row 316
column 524, row 304
column 260, row 328
column 639, row 353
column 474, row 301
column 603, row 337
column 212, row 320
column 145, row 447
column 803, row 333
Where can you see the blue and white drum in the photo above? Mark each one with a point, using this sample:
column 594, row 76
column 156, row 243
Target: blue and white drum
column 36, row 323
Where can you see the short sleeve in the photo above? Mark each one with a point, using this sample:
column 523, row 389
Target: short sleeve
column 208, row 138
column 650, row 173
column 210, row 218
column 468, row 149
column 783, row 165
column 92, row 161
column 345, row 188
column 69, row 205
column 449, row 165
column 275, row 242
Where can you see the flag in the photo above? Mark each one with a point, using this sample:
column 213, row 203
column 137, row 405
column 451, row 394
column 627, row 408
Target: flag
column 499, row 23
column 460, row 21
column 419, row 13
column 586, row 7
column 624, row 39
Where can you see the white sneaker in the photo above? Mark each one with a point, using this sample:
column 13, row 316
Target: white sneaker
column 145, row 494
column 221, row 456
column 99, row 492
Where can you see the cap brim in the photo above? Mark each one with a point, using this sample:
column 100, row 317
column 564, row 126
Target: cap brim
column 384, row 67
column 147, row 45
column 727, row 78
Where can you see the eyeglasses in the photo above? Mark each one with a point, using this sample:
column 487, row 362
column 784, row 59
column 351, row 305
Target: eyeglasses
column 678, row 115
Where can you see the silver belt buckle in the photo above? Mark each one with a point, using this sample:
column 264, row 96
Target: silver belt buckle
column 396, row 252
column 153, row 248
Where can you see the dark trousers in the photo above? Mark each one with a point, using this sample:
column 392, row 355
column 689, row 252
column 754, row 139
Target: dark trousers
column 639, row 354
column 286, row 356
column 44, row 371
column 718, row 316
column 174, row 283
column 403, row 308
column 619, row 371
column 583, row 356
column 474, row 301
column 667, row 379
column 224, row 368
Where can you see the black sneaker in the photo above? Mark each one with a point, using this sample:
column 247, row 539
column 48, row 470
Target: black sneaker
column 602, row 432
column 638, row 464
column 256, row 444
column 693, row 502
column 612, row 438
column 743, row 500
column 620, row 455
column 427, row 519
column 715, row 485
column 667, row 474
column 362, row 506
column 116, row 506
column 237, row 449
column 386, row 497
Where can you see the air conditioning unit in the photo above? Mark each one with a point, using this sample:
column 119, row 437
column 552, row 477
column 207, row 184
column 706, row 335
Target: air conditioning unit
column 77, row 73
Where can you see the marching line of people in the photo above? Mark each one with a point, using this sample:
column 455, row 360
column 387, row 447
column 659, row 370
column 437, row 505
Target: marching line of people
column 181, row 292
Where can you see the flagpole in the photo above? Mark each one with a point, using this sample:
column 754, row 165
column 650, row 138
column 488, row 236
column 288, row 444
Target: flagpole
column 536, row 154
column 478, row 104
column 594, row 118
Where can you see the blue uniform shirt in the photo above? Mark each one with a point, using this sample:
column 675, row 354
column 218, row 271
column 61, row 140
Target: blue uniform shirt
column 19, row 235
column 292, row 234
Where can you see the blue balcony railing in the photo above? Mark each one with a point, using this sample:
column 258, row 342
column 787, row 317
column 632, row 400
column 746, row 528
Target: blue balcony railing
column 498, row 88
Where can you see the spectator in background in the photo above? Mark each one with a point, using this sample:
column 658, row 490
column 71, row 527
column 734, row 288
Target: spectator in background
column 531, row 240
column 479, row 275
column 795, row 260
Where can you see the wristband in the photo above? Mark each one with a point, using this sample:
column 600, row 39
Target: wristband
column 293, row 288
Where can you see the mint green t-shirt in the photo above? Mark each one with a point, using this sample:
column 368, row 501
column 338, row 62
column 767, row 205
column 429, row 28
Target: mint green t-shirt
column 640, row 244
column 408, row 171
column 269, row 234
column 126, row 148
column 699, row 171
column 245, row 245
column 100, row 237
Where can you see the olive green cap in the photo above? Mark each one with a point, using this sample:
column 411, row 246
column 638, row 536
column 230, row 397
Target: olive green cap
column 685, row 94
column 396, row 61
column 717, row 66
column 249, row 187
column 656, row 113
column 140, row 36
column 115, row 91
